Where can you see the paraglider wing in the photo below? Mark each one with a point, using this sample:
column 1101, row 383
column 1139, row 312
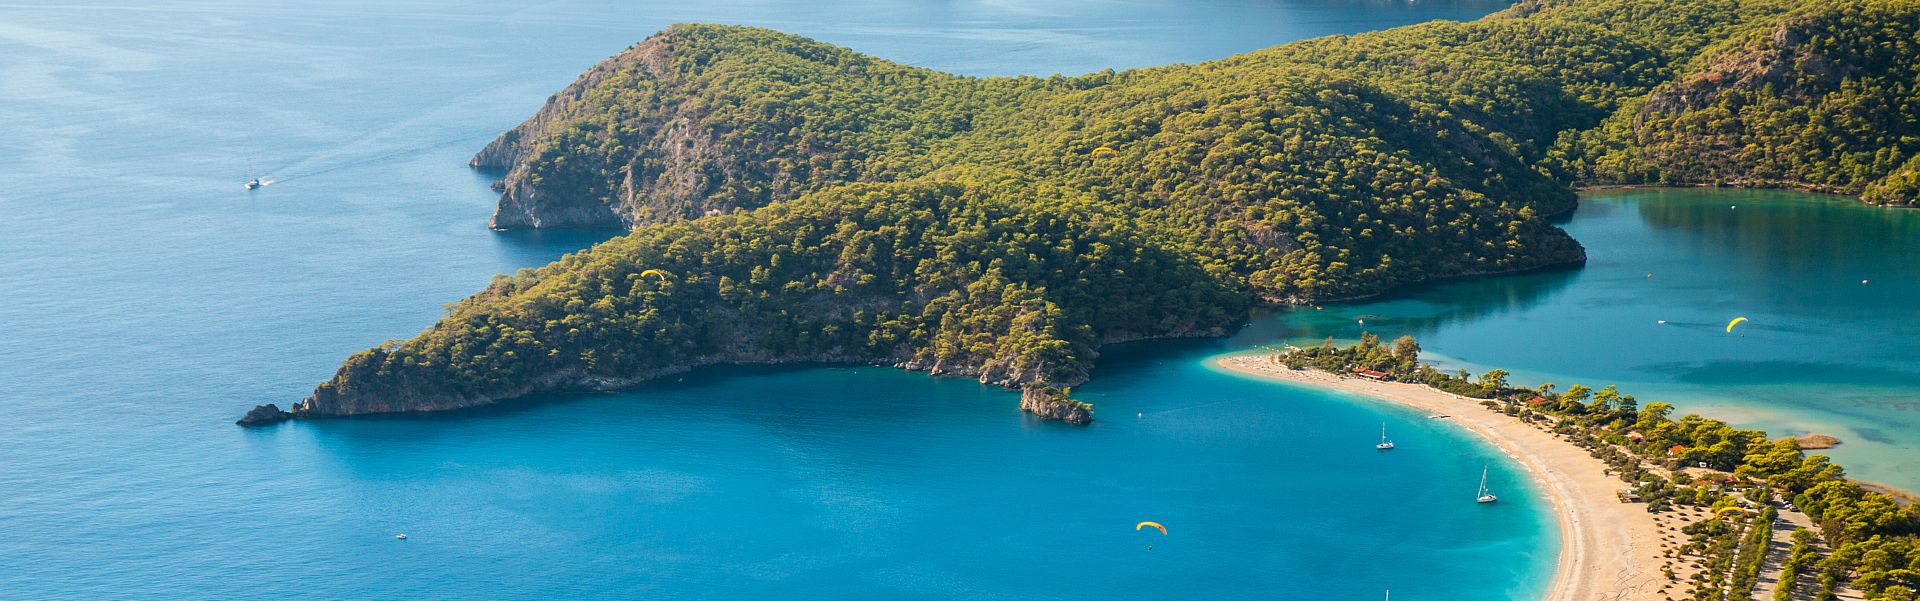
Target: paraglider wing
column 1736, row 321
column 655, row 273
column 1138, row 527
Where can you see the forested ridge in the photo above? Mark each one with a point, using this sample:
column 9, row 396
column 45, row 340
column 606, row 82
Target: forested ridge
column 1827, row 99
column 796, row 201
column 979, row 273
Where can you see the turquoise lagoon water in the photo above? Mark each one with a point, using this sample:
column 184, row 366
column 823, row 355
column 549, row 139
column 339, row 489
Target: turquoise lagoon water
column 1821, row 350
column 149, row 300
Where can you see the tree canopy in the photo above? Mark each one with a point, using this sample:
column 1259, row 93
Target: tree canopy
column 804, row 202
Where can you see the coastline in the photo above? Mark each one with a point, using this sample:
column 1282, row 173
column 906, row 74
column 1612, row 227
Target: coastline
column 1736, row 185
column 1899, row 495
column 1608, row 549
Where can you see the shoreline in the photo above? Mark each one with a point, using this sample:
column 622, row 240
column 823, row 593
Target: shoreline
column 1900, row 495
column 1608, row 549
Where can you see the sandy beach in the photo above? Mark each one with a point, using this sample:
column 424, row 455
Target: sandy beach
column 1608, row 550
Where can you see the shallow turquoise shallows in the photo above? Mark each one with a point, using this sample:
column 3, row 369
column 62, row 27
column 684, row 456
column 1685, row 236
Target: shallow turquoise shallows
column 149, row 300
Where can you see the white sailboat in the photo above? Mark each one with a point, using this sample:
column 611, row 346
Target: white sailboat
column 1485, row 496
column 1384, row 443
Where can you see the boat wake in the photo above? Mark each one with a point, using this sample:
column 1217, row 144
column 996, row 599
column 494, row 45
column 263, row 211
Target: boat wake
column 322, row 165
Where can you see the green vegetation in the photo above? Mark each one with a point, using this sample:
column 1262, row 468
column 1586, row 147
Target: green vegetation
column 1826, row 100
column 1753, row 550
column 966, row 274
column 1716, row 541
column 810, row 203
column 1799, row 559
column 1691, row 461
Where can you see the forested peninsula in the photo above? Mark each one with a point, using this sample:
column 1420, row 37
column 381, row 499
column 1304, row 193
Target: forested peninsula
column 793, row 201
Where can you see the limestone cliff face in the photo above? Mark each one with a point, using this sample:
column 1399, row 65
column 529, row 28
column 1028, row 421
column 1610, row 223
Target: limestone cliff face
column 1783, row 60
column 530, row 200
column 659, row 133
column 1005, row 372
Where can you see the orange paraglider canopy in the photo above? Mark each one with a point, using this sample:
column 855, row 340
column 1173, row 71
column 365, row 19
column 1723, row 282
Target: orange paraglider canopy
column 1141, row 525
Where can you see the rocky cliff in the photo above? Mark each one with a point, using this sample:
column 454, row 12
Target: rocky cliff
column 675, row 128
column 659, row 169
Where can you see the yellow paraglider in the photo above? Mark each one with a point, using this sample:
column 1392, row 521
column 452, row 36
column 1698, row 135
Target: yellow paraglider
column 1736, row 321
column 1141, row 525
column 1104, row 151
column 656, row 273
column 1724, row 510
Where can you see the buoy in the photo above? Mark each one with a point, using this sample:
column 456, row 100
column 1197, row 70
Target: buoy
column 1863, row 282
column 1140, row 414
column 1730, row 207
column 400, row 536
column 1649, row 275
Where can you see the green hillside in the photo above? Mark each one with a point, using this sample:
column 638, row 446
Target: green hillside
column 803, row 202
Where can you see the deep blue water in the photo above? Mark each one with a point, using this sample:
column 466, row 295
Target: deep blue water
column 150, row 300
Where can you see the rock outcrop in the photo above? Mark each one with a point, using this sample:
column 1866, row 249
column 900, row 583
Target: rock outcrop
column 264, row 414
column 1048, row 402
column 1816, row 441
